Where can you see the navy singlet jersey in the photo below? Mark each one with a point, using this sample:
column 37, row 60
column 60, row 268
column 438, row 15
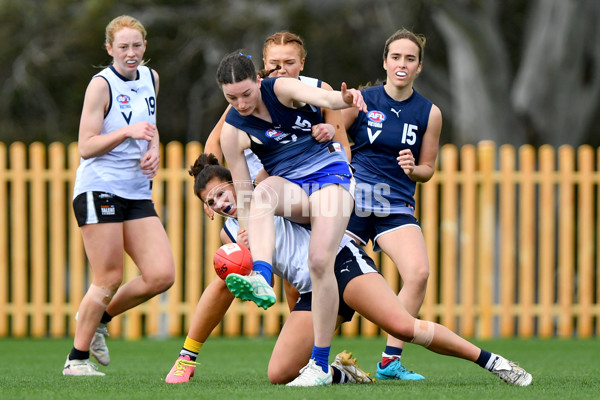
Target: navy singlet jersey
column 286, row 147
column 390, row 126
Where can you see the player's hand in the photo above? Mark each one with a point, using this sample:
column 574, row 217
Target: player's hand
column 209, row 212
column 143, row 130
column 242, row 238
column 353, row 97
column 323, row 132
column 150, row 162
column 406, row 161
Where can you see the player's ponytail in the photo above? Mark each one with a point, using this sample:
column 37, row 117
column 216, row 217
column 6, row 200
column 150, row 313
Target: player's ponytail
column 206, row 168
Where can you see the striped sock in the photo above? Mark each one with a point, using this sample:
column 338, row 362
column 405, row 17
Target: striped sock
column 487, row 360
column 338, row 376
column 390, row 354
column 191, row 348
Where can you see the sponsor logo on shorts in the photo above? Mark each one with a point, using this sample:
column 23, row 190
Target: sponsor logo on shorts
column 107, row 209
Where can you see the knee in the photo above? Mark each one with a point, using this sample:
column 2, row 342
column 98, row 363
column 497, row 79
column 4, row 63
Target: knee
column 279, row 376
column 402, row 331
column 319, row 265
column 418, row 276
column 263, row 195
column 110, row 281
column 161, row 281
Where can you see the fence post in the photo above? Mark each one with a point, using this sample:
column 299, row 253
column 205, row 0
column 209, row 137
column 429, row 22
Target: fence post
column 59, row 204
column 585, row 242
column 468, row 239
column 449, row 236
column 39, row 238
column 547, row 246
column 487, row 219
column 4, row 283
column 566, row 240
column 18, row 217
column 508, row 239
column 527, row 207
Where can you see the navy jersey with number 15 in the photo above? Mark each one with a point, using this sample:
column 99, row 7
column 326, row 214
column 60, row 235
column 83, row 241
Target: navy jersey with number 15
column 286, row 147
column 390, row 126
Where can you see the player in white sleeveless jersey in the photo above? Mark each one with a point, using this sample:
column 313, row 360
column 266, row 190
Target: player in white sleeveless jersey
column 112, row 199
column 360, row 288
column 395, row 146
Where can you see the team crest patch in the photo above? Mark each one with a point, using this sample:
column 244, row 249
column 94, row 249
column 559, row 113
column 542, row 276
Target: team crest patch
column 376, row 116
column 123, row 99
column 273, row 133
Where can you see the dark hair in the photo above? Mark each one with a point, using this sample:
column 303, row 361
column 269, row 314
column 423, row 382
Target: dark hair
column 235, row 67
column 205, row 168
column 417, row 39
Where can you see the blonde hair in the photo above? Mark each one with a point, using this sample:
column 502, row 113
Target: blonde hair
column 123, row 21
column 283, row 38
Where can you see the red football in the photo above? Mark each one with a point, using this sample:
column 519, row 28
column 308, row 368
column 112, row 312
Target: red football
column 232, row 258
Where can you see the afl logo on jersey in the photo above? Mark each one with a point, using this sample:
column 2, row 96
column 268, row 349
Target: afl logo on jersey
column 123, row 99
column 272, row 133
column 376, row 116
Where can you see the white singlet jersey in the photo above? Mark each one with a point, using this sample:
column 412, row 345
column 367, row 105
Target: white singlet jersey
column 290, row 259
column 254, row 164
column 118, row 171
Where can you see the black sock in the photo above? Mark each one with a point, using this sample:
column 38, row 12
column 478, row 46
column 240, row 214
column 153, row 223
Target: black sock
column 78, row 354
column 483, row 359
column 338, row 376
column 106, row 318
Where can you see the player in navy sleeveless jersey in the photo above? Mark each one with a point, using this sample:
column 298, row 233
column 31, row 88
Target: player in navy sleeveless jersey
column 118, row 143
column 395, row 146
column 283, row 56
column 309, row 181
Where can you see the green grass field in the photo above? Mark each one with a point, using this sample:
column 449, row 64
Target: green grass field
column 237, row 369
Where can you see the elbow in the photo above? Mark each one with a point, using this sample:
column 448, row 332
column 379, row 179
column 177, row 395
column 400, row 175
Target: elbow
column 84, row 152
column 84, row 155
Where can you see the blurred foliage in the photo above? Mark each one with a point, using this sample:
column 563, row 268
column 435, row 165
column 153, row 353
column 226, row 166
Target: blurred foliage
column 51, row 49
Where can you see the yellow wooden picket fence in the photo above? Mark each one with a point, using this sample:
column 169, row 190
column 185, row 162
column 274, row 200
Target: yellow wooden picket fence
column 512, row 238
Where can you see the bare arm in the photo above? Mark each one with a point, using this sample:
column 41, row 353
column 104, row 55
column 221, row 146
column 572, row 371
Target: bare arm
column 334, row 118
column 213, row 143
column 233, row 143
column 95, row 105
column 423, row 171
column 151, row 160
column 290, row 90
column 349, row 115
